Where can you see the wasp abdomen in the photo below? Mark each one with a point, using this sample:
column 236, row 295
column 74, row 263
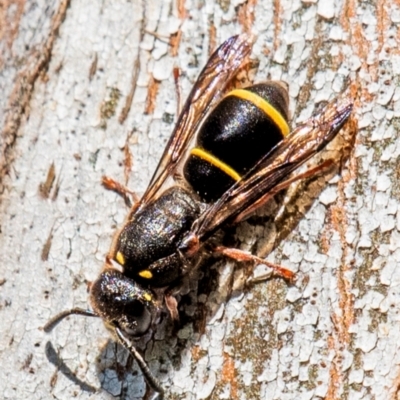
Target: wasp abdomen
column 146, row 246
column 240, row 130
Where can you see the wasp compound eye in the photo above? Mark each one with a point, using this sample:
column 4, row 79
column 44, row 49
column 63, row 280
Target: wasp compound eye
column 135, row 320
column 122, row 302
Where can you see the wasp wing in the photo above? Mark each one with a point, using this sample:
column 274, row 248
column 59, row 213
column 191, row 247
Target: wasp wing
column 261, row 182
column 221, row 67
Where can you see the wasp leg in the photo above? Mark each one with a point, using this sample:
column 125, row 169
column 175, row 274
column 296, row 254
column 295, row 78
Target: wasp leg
column 151, row 379
column 129, row 196
column 281, row 186
column 172, row 306
column 242, row 256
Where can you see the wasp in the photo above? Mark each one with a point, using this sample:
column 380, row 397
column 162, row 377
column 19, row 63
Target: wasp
column 244, row 152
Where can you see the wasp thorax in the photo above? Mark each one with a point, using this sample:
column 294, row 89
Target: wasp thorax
column 122, row 302
column 146, row 246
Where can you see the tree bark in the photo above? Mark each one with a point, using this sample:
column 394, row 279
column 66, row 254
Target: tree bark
column 88, row 90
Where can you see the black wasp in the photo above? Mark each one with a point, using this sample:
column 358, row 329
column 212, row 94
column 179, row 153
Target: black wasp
column 243, row 155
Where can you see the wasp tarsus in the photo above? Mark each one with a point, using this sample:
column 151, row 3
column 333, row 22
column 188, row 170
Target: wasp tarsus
column 244, row 256
column 129, row 196
column 243, row 155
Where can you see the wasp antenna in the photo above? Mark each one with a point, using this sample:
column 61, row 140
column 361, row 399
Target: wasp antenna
column 150, row 378
column 59, row 317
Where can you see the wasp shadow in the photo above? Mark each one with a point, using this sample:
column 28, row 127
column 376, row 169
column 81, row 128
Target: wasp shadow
column 54, row 358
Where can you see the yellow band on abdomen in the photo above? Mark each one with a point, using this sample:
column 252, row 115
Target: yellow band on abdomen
column 204, row 155
column 263, row 104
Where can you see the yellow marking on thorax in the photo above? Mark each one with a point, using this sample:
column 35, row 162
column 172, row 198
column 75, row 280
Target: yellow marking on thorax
column 120, row 258
column 263, row 104
column 206, row 156
column 146, row 274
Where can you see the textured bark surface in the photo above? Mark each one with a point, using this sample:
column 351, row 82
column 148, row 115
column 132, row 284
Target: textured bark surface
column 88, row 86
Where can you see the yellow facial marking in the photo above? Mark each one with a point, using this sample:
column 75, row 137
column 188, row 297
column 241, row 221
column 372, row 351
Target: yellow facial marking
column 263, row 104
column 120, row 258
column 148, row 297
column 146, row 274
column 204, row 155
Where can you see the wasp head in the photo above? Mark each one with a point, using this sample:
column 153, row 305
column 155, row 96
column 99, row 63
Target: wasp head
column 122, row 303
